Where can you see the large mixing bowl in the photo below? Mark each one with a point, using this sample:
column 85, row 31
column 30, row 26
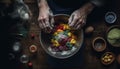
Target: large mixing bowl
column 45, row 39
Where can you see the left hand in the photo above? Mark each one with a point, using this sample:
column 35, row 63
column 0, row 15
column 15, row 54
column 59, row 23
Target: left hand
column 78, row 17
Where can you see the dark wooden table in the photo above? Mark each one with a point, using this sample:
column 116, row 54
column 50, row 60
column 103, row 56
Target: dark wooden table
column 86, row 58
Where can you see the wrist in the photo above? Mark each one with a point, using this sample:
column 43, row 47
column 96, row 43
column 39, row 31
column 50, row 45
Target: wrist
column 88, row 7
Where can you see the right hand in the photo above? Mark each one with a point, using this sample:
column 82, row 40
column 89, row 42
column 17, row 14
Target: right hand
column 45, row 19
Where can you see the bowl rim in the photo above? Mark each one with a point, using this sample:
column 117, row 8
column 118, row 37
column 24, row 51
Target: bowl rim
column 93, row 42
column 82, row 36
column 111, row 27
column 111, row 60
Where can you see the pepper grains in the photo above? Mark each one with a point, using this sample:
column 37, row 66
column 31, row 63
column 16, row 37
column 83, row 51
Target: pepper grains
column 63, row 38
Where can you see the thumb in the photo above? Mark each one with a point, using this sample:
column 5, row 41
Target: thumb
column 70, row 19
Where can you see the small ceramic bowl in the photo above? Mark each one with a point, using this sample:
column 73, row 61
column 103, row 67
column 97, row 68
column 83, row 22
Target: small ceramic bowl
column 116, row 44
column 99, row 44
column 33, row 48
column 110, row 17
column 107, row 58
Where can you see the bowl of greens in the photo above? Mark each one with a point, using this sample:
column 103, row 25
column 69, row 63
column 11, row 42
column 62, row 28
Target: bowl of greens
column 113, row 36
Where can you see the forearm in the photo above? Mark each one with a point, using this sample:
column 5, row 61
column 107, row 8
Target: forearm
column 89, row 6
column 42, row 3
column 98, row 2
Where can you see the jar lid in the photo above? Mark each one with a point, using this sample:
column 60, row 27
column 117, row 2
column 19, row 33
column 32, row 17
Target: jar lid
column 16, row 46
column 24, row 59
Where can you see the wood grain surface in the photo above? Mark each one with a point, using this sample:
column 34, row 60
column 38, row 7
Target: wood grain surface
column 41, row 60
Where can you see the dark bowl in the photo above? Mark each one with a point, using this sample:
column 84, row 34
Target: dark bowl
column 45, row 39
column 107, row 60
column 99, row 44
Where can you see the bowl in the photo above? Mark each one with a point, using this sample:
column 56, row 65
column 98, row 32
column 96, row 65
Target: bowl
column 99, row 44
column 110, row 17
column 33, row 48
column 107, row 58
column 113, row 35
column 45, row 40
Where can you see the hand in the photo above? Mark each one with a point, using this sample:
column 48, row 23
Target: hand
column 45, row 19
column 78, row 17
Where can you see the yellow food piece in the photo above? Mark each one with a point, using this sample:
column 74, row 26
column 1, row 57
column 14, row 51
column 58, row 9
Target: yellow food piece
column 105, row 61
column 56, row 33
column 72, row 41
column 69, row 34
column 106, row 57
column 109, row 60
column 56, row 43
column 110, row 56
column 67, row 27
column 59, row 30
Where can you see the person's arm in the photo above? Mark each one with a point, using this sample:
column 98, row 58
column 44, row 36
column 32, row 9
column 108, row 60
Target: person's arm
column 98, row 3
column 45, row 18
column 42, row 3
column 79, row 16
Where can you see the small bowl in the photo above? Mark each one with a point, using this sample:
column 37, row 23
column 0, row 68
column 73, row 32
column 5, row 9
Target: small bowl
column 99, row 44
column 107, row 58
column 33, row 48
column 108, row 40
column 110, row 17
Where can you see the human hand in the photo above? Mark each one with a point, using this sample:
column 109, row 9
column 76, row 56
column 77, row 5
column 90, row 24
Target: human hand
column 78, row 17
column 45, row 19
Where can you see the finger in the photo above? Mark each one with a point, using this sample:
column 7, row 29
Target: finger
column 73, row 23
column 48, row 27
column 51, row 20
column 51, row 17
column 78, row 27
column 43, row 23
column 48, row 30
column 84, row 22
column 79, row 22
column 44, row 19
column 40, row 23
column 70, row 19
column 48, row 24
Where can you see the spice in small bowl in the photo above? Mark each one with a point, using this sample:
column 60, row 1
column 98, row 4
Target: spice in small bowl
column 107, row 58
